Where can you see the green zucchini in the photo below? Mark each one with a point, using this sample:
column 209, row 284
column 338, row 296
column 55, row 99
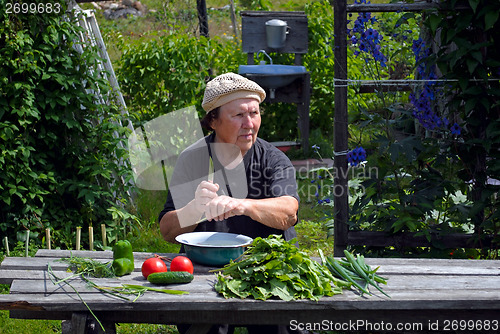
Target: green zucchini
column 170, row 277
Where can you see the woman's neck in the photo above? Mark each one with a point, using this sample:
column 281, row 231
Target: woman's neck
column 229, row 155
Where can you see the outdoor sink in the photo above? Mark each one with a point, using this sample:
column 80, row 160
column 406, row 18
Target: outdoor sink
column 272, row 76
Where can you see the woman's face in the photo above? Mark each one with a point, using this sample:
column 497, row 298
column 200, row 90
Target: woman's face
column 238, row 123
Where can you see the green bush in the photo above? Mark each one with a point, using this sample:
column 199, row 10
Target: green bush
column 432, row 164
column 60, row 144
column 470, row 59
column 169, row 72
column 163, row 72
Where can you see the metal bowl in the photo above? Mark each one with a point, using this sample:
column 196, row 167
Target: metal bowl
column 213, row 248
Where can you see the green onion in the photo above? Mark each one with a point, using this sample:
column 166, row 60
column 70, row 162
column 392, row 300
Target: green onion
column 354, row 269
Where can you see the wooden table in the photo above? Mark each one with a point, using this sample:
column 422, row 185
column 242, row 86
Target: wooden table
column 426, row 294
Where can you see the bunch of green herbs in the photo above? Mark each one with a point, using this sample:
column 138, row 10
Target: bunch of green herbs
column 89, row 267
column 272, row 267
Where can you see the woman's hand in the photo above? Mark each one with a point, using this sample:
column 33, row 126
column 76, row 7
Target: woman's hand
column 224, row 207
column 205, row 192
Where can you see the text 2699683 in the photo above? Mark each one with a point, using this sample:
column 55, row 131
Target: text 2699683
column 19, row 7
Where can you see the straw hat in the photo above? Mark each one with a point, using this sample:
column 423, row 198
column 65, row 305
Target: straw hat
column 229, row 87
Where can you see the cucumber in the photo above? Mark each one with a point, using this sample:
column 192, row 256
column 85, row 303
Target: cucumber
column 170, row 277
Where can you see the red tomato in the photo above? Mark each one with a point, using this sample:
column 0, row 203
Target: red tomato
column 181, row 263
column 153, row 265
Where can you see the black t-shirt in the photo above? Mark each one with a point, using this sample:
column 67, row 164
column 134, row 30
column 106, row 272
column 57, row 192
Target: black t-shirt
column 265, row 172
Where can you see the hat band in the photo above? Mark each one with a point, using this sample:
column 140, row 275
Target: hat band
column 241, row 94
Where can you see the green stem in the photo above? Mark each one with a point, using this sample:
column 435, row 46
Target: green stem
column 51, row 272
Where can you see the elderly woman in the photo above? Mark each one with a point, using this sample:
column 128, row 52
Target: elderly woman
column 253, row 192
column 249, row 188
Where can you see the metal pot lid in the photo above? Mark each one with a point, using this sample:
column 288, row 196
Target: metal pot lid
column 276, row 23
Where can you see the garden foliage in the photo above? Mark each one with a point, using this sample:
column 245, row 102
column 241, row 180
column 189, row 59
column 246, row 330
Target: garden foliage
column 59, row 144
column 432, row 156
column 169, row 72
column 469, row 57
column 166, row 71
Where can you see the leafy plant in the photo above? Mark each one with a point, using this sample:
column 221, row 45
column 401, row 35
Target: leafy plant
column 469, row 59
column 415, row 147
column 61, row 146
column 272, row 267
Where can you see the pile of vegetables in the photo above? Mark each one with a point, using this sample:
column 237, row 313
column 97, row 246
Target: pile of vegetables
column 122, row 264
column 354, row 270
column 273, row 267
column 156, row 271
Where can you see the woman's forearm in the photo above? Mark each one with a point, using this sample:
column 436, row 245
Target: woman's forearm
column 278, row 212
column 179, row 221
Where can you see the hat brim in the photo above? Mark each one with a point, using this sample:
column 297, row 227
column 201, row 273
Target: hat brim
column 226, row 98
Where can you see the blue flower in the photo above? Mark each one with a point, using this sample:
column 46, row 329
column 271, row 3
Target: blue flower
column 356, row 156
column 455, row 129
column 367, row 39
column 422, row 99
column 362, row 47
column 316, row 149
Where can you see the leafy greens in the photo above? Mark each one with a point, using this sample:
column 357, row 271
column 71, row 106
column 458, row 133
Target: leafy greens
column 273, row 267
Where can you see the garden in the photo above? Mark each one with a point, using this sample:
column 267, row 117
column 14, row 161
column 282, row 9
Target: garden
column 423, row 92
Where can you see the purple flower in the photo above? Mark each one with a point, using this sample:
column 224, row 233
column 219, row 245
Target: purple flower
column 356, row 156
column 367, row 39
column 423, row 98
column 455, row 129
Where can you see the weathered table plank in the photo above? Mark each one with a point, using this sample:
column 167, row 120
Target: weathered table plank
column 201, row 282
column 202, row 300
column 388, row 266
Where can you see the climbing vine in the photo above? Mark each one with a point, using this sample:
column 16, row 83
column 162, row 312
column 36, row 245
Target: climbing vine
column 469, row 58
column 59, row 144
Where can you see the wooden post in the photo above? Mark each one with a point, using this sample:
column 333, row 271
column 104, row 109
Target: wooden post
column 26, row 245
column 202, row 17
column 47, row 238
column 91, row 238
column 6, row 244
column 78, row 237
column 233, row 20
column 103, row 232
column 341, row 190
